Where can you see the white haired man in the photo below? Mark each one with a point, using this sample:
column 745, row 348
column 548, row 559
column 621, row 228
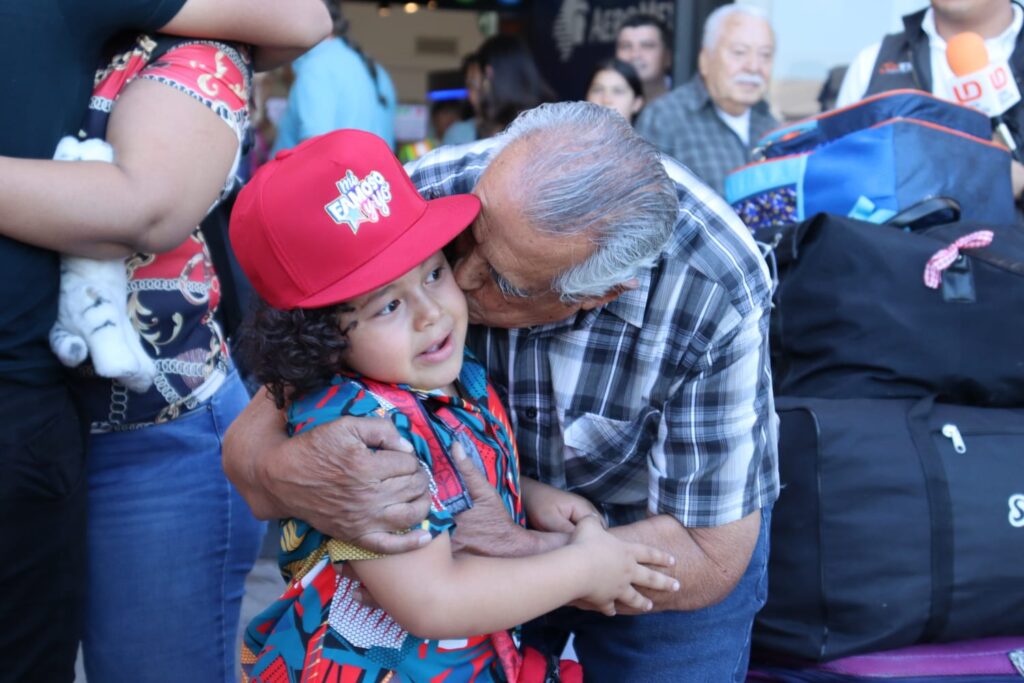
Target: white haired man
column 710, row 122
column 623, row 309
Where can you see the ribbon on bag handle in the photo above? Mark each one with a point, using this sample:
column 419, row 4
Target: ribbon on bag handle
column 945, row 257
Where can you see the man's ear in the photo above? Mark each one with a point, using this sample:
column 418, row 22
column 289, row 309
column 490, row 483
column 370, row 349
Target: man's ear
column 702, row 63
column 611, row 295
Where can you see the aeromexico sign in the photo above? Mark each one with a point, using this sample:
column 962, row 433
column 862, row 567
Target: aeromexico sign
column 570, row 36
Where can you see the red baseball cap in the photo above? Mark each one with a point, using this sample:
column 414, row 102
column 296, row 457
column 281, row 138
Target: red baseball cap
column 336, row 217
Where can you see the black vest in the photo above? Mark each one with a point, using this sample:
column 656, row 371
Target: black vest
column 904, row 61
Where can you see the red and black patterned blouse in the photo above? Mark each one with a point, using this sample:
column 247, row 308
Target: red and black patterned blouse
column 173, row 296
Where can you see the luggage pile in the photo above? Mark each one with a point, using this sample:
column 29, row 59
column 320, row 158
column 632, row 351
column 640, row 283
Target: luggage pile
column 898, row 354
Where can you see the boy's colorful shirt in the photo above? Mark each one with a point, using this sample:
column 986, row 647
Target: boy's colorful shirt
column 316, row 631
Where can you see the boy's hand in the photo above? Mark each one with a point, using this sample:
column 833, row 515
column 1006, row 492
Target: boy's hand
column 618, row 569
column 552, row 509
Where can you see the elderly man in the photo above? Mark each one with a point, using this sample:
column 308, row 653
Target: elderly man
column 636, row 375
column 643, row 40
column 711, row 122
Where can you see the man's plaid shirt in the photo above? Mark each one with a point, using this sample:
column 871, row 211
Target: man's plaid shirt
column 659, row 402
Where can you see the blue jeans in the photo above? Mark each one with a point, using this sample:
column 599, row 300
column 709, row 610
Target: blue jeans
column 170, row 544
column 710, row 645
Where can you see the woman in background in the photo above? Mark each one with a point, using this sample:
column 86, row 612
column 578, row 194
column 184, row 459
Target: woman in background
column 616, row 85
column 510, row 83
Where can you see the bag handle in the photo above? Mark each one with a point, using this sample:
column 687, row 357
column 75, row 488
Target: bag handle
column 926, row 213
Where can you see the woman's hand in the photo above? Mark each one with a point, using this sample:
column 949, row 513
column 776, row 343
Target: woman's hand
column 617, row 569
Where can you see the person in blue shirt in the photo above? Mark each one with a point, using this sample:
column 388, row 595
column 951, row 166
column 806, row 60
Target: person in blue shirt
column 337, row 86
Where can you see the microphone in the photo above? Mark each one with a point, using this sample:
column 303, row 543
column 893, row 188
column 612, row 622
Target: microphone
column 987, row 87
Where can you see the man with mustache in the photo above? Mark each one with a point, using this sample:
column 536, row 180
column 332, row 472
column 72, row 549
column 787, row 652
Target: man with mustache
column 711, row 122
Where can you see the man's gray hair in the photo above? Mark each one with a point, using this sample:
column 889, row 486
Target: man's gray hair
column 713, row 24
column 591, row 173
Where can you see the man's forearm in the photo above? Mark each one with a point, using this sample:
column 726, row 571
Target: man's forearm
column 709, row 561
column 251, row 437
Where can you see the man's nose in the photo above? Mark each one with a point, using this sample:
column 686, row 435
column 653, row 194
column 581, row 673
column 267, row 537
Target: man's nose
column 754, row 63
column 471, row 271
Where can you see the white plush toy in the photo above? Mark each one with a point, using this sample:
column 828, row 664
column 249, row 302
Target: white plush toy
column 92, row 317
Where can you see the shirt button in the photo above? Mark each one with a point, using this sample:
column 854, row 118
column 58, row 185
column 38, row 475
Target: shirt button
column 530, row 413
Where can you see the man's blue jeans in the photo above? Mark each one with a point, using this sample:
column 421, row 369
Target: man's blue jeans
column 710, row 645
column 170, row 544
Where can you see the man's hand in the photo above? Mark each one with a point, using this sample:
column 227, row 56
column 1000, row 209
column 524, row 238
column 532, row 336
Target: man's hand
column 552, row 509
column 330, row 477
column 486, row 528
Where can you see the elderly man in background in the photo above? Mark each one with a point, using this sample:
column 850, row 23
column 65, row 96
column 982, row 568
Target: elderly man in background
column 711, row 122
column 636, row 378
column 644, row 41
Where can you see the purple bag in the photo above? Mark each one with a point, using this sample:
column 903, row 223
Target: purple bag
column 969, row 661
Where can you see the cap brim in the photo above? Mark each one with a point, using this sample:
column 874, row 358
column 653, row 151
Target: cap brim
column 444, row 218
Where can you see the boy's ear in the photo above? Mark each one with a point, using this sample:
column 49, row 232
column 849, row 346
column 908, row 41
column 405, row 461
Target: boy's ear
column 611, row 295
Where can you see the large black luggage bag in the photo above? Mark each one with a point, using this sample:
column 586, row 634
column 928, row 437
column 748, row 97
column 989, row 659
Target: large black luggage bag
column 855, row 319
column 900, row 521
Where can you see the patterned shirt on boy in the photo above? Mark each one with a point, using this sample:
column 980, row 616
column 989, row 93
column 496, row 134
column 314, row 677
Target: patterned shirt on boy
column 661, row 401
column 317, row 631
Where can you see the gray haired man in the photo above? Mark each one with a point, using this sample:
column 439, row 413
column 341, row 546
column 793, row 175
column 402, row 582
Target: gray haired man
column 623, row 309
column 711, row 122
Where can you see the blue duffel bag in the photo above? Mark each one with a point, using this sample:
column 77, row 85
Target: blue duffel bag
column 810, row 133
column 876, row 172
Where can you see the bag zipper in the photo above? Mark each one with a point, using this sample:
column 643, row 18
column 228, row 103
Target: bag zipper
column 1017, row 659
column 952, row 432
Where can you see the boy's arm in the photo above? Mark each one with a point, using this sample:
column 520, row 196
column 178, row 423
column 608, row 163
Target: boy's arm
column 456, row 597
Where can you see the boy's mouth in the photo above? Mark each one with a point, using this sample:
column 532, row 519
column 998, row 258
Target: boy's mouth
column 439, row 350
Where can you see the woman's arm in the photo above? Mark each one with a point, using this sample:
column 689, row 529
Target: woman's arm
column 172, row 155
column 434, row 595
column 281, row 30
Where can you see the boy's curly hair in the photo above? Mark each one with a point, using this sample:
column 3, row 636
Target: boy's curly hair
column 296, row 351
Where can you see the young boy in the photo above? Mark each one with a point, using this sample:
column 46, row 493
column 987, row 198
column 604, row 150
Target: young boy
column 365, row 318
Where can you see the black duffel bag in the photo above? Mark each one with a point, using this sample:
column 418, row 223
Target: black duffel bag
column 854, row 318
column 900, row 522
